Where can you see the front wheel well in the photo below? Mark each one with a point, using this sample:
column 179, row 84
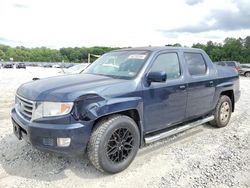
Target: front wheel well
column 132, row 113
column 230, row 94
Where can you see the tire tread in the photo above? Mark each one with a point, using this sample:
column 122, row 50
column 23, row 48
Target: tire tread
column 216, row 122
column 95, row 139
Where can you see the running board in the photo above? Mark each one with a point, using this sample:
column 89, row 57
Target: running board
column 174, row 131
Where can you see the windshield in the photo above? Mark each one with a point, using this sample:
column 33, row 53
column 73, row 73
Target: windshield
column 120, row 64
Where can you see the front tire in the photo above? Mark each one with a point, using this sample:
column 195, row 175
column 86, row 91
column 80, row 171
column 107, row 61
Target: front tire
column 223, row 111
column 114, row 143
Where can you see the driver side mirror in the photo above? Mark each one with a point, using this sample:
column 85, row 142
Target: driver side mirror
column 158, row 76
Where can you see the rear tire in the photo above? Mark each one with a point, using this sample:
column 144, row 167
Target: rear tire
column 222, row 112
column 114, row 143
column 247, row 74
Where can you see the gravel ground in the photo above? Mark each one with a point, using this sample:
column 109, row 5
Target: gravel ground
column 201, row 157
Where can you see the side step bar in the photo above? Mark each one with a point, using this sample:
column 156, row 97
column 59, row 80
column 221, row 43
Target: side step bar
column 174, row 131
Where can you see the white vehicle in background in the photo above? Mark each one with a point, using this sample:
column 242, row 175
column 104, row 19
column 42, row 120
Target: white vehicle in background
column 76, row 69
column 245, row 70
column 56, row 66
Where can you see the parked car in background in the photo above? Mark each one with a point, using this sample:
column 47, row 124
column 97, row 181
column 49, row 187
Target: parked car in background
column 31, row 64
column 67, row 65
column 233, row 64
column 20, row 66
column 245, row 70
column 56, row 66
column 47, row 65
column 7, row 65
column 76, row 69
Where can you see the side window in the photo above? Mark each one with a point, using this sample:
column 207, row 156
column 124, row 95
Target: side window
column 168, row 63
column 196, row 63
column 245, row 66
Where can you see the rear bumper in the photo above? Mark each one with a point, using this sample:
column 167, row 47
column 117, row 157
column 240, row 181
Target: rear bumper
column 44, row 136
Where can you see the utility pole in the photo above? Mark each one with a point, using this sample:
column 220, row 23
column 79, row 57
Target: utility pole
column 88, row 57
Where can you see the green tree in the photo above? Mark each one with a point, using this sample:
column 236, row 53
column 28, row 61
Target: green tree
column 233, row 49
column 2, row 55
column 199, row 45
column 230, row 49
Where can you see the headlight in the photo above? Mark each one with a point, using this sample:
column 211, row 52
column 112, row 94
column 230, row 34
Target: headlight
column 49, row 109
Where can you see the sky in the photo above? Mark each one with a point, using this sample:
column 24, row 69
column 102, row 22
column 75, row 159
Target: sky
column 121, row 23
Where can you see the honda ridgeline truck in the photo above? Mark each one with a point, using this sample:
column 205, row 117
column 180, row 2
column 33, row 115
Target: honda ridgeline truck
column 124, row 100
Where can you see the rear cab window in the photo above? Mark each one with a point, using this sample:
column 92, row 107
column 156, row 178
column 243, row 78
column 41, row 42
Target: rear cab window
column 195, row 63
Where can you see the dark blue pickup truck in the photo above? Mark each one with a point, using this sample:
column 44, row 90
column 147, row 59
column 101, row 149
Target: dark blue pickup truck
column 124, row 100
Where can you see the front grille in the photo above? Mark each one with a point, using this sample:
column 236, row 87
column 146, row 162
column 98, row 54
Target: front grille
column 25, row 107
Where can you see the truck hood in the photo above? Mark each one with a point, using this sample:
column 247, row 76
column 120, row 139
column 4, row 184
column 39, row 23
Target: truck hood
column 70, row 87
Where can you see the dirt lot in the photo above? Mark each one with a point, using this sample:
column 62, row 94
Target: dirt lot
column 201, row 157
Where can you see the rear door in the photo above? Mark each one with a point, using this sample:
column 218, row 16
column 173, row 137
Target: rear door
column 200, row 89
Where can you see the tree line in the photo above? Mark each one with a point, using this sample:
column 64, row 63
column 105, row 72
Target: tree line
column 43, row 54
column 230, row 49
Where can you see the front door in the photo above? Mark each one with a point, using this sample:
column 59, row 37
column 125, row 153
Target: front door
column 165, row 103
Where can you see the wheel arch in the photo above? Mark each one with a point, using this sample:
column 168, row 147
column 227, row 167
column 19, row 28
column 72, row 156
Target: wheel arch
column 245, row 73
column 132, row 113
column 230, row 94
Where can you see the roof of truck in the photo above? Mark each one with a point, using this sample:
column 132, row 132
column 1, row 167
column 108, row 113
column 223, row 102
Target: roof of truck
column 154, row 49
